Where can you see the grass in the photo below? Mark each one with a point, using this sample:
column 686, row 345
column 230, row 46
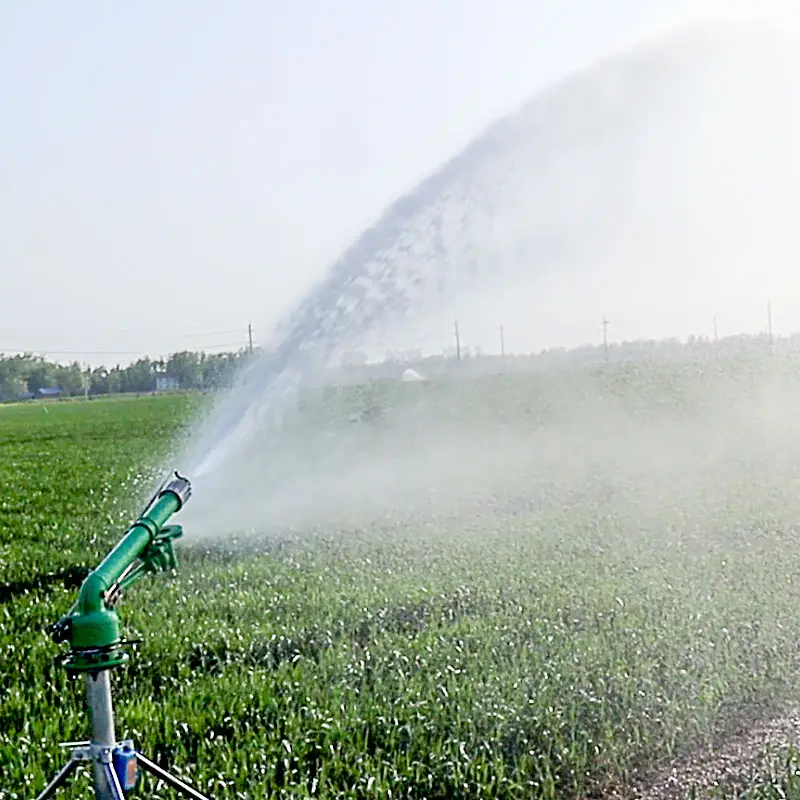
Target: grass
column 550, row 650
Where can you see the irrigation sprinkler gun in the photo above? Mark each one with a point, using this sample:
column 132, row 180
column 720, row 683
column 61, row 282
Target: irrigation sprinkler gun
column 92, row 630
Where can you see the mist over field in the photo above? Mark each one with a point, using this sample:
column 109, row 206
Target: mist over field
column 657, row 186
column 654, row 444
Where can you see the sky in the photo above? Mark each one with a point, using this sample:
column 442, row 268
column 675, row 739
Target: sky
column 174, row 171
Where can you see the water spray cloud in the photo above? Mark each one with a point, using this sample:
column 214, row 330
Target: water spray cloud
column 662, row 180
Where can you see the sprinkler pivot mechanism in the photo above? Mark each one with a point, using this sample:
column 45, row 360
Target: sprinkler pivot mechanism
column 92, row 626
column 92, row 629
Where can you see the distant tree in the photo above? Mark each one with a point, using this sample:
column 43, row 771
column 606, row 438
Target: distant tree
column 115, row 379
column 139, row 376
column 186, row 368
column 218, row 370
column 98, row 381
column 41, row 375
column 70, row 379
column 12, row 376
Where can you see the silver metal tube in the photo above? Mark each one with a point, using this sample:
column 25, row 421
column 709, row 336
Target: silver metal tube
column 171, row 781
column 113, row 780
column 180, row 487
column 98, row 696
column 59, row 780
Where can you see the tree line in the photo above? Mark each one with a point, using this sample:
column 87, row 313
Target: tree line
column 28, row 374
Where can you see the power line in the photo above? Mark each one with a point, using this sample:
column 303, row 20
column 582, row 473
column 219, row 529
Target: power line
column 15, row 351
column 106, row 331
column 210, row 333
column 238, row 344
column 48, row 351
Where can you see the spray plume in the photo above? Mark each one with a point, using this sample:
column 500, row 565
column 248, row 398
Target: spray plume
column 660, row 182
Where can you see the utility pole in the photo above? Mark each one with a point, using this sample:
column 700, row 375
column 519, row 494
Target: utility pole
column 769, row 322
column 458, row 343
column 715, row 330
column 605, row 336
column 503, row 347
column 250, row 337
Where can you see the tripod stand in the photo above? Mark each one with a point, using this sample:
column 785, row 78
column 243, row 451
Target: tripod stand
column 114, row 764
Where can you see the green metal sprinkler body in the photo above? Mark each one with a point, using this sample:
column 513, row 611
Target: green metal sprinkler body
column 92, row 626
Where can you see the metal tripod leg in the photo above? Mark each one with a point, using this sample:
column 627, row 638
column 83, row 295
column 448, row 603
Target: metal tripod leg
column 170, row 780
column 112, row 780
column 60, row 779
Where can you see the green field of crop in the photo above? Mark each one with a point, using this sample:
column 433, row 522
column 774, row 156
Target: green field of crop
column 567, row 647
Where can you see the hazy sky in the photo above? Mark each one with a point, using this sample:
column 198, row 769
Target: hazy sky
column 171, row 171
